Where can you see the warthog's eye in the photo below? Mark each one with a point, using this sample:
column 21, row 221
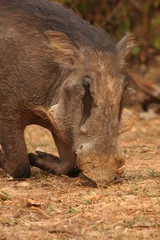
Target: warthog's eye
column 85, row 84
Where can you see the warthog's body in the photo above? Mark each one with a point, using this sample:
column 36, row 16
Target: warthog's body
column 59, row 72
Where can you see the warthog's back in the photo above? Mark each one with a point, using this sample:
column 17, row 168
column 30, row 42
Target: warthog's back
column 41, row 15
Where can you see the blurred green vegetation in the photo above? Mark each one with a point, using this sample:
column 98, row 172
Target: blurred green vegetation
column 142, row 17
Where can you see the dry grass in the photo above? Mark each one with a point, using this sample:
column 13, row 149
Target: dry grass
column 52, row 207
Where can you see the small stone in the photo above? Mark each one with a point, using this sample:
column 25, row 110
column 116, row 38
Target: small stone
column 3, row 196
column 117, row 228
column 144, row 149
column 33, row 203
column 23, row 184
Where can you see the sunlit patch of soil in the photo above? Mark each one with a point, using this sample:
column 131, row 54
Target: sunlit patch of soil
column 53, row 207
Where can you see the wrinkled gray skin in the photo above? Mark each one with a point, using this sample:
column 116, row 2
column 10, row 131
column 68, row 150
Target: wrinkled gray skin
column 59, row 72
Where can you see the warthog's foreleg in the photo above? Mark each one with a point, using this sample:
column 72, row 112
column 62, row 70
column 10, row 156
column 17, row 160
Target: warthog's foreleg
column 63, row 165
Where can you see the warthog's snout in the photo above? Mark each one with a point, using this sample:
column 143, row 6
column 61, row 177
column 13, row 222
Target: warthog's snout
column 101, row 168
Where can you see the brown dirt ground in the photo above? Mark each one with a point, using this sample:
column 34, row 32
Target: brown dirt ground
column 54, row 207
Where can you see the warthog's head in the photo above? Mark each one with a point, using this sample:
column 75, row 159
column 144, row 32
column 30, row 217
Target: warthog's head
column 89, row 108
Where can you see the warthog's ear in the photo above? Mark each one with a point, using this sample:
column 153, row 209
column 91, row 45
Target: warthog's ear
column 125, row 46
column 127, row 121
column 65, row 51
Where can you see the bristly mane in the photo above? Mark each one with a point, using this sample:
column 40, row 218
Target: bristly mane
column 45, row 15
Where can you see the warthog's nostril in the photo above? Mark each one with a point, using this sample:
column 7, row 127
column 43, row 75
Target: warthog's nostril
column 81, row 146
column 84, row 149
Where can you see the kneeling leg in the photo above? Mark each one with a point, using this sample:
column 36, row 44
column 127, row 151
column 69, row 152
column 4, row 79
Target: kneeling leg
column 13, row 157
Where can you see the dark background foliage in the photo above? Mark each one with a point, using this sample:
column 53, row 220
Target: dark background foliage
column 142, row 17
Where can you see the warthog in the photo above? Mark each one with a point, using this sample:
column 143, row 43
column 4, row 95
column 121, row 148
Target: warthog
column 60, row 72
